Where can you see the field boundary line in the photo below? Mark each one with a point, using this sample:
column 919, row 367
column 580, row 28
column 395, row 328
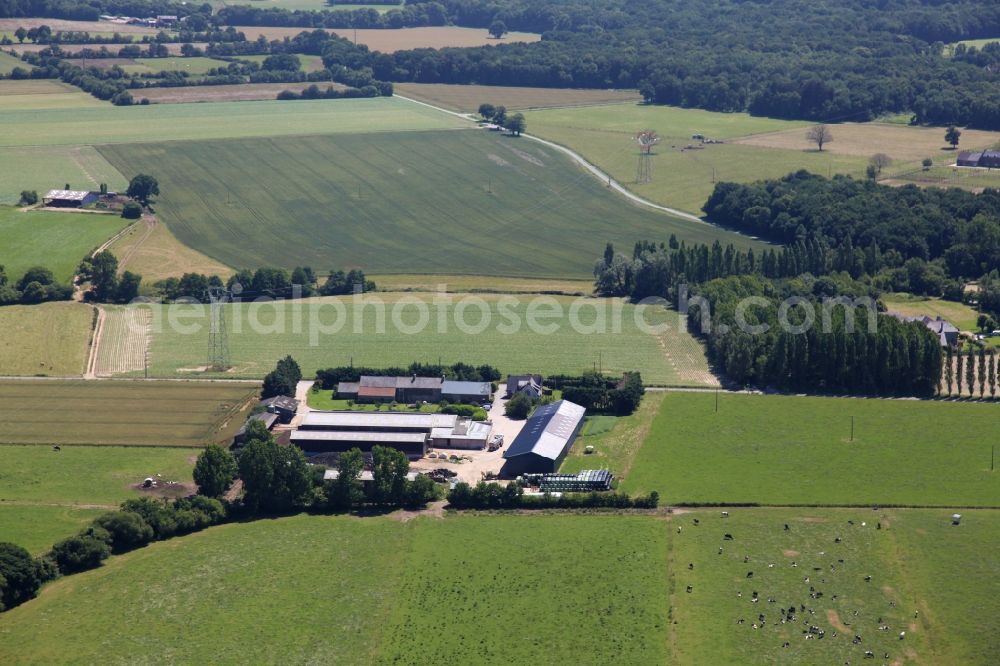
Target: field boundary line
column 91, row 370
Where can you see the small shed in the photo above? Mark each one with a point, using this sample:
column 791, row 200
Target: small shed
column 69, row 198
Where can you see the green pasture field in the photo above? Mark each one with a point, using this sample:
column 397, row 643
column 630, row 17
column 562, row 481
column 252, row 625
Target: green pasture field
column 944, row 175
column 57, row 241
column 37, row 526
column 9, row 62
column 798, row 450
column 959, row 314
column 681, row 178
column 44, row 168
column 261, row 333
column 46, row 339
column 27, row 94
column 81, row 476
column 182, row 414
column 194, row 65
column 463, row 202
column 458, row 588
column 112, row 124
column 309, row 63
column 615, row 446
column 921, row 583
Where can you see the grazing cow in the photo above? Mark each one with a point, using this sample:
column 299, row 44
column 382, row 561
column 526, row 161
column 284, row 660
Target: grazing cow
column 690, row 565
column 869, row 654
column 725, row 514
column 786, row 527
column 720, row 550
column 727, row 536
column 749, row 574
column 868, row 579
column 696, row 521
column 690, row 589
column 902, row 635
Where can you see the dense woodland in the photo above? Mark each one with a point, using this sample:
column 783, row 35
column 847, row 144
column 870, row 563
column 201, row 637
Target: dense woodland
column 811, row 59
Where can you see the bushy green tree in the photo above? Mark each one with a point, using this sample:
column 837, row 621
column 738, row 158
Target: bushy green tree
column 283, row 380
column 345, row 492
column 389, row 469
column 80, row 553
column 142, row 187
column 519, row 406
column 275, row 478
column 128, row 530
column 20, row 577
column 28, row 198
column 498, row 29
column 215, row 471
column 131, row 211
column 104, row 276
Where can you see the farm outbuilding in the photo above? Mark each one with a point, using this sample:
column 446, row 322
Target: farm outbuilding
column 984, row 159
column 545, row 439
column 69, row 198
column 530, row 384
column 267, row 418
column 375, row 389
column 283, row 406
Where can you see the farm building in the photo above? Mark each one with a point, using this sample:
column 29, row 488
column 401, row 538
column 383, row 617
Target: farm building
column 375, row 389
column 945, row 331
column 267, row 418
column 986, row 159
column 588, row 480
column 283, row 406
column 545, row 439
column 412, row 433
column 530, row 384
column 69, row 198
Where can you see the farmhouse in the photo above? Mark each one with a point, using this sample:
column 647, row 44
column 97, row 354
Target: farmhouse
column 411, row 433
column 946, row 332
column 374, row 389
column 986, row 159
column 69, row 198
column 530, row 384
column 545, row 439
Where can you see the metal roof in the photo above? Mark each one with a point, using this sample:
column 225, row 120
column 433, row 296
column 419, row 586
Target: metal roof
column 267, row 417
column 377, row 391
column 358, row 436
column 281, row 402
column 548, row 430
column 401, row 382
column 348, row 387
column 67, row 195
column 403, row 420
column 452, row 387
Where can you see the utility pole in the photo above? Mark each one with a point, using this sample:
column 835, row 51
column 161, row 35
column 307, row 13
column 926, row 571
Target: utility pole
column 993, row 457
column 716, row 401
column 852, row 428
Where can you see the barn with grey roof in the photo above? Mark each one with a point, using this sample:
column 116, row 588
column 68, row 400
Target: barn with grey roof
column 545, row 439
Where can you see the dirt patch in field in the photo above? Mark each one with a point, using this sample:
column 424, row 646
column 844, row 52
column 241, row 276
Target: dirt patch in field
column 790, row 553
column 168, row 489
column 499, row 161
column 812, row 519
column 527, row 157
column 834, row 620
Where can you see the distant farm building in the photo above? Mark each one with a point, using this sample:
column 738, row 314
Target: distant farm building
column 545, row 439
column 376, row 389
column 411, row 433
column 986, row 159
column 283, row 406
column 267, row 418
column 946, row 333
column 530, row 384
column 69, row 198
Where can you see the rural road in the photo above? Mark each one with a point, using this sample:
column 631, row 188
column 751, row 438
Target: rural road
column 579, row 159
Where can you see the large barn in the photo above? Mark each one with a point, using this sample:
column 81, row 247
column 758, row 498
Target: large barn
column 545, row 439
column 69, row 198
column 375, row 389
column 985, row 159
column 411, row 433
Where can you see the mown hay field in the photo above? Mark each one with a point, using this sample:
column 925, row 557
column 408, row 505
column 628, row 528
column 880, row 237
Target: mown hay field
column 57, row 241
column 463, row 202
column 67, row 412
column 44, row 168
column 579, row 335
column 798, row 450
column 467, row 98
column 154, row 253
column 391, row 40
column 246, row 92
column 50, row 339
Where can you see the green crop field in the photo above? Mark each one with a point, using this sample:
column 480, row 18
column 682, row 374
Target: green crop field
column 44, row 168
column 796, row 450
column 57, row 241
column 38, row 526
column 46, row 339
column 194, row 66
column 9, row 62
column 441, row 202
column 517, row 335
column 457, row 588
column 122, row 412
column 125, row 124
column 309, row 63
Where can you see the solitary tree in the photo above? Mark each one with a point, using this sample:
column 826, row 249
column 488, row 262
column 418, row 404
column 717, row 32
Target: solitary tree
column 500, row 115
column 516, row 124
column 487, row 110
column 879, row 161
column 952, row 135
column 21, row 33
column 214, row 471
column 142, row 187
column 498, row 29
column 927, row 163
column 819, row 134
